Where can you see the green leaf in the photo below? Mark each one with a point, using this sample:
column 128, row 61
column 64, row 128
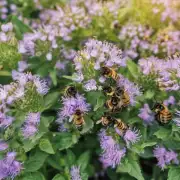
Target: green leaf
column 51, row 99
column 149, row 94
column 172, row 144
column 33, row 176
column 46, row 146
column 147, row 144
column 35, row 162
column 132, row 168
column 88, row 125
column 163, row 133
column 133, row 68
column 83, row 160
column 71, row 158
column 53, row 75
column 64, row 140
column 58, row 177
column 100, row 103
column 174, row 173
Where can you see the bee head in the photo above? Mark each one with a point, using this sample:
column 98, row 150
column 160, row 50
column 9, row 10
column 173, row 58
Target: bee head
column 72, row 90
column 78, row 112
column 158, row 107
column 107, row 89
column 115, row 100
column 105, row 71
column 119, row 91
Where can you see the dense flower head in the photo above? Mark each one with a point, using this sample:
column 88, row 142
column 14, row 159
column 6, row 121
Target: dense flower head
column 9, row 167
column 176, row 119
column 71, row 104
column 112, row 153
column 165, row 157
column 170, row 101
column 75, row 173
column 138, row 38
column 146, row 114
column 131, row 136
column 131, row 88
column 3, row 145
column 90, row 85
column 30, row 127
column 164, row 69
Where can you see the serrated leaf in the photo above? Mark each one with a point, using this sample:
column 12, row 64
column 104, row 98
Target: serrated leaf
column 35, row 162
column 162, row 133
column 174, row 173
column 58, row 177
column 46, row 146
column 132, row 168
column 83, row 160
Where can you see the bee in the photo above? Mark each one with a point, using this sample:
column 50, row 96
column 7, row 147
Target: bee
column 109, row 73
column 78, row 119
column 162, row 113
column 70, row 91
column 174, row 56
column 121, row 125
column 106, row 120
column 108, row 90
column 113, row 104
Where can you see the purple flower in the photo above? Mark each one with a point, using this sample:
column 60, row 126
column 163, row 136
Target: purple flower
column 170, row 101
column 90, row 85
column 71, row 104
column 9, row 167
column 130, row 87
column 112, row 153
column 22, row 66
column 75, row 173
column 3, row 145
column 5, row 120
column 131, row 136
column 177, row 119
column 146, row 114
column 165, row 157
column 29, row 128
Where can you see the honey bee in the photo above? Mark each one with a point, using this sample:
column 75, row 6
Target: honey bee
column 70, row 91
column 122, row 127
column 108, row 90
column 78, row 119
column 109, row 73
column 173, row 56
column 105, row 120
column 162, row 113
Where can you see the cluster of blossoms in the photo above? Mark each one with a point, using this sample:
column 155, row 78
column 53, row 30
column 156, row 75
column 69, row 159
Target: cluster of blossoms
column 6, row 8
column 9, row 166
column 170, row 9
column 95, row 55
column 167, row 71
column 112, row 153
column 165, row 157
column 169, row 41
column 70, row 105
column 30, row 126
column 75, row 173
column 138, row 40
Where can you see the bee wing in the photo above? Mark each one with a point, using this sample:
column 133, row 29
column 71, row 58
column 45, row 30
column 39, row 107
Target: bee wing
column 99, row 121
column 70, row 119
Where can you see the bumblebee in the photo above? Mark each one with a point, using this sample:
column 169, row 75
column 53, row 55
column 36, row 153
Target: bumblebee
column 162, row 113
column 108, row 90
column 121, row 125
column 109, row 73
column 78, row 119
column 106, row 120
column 174, row 56
column 70, row 91
column 113, row 104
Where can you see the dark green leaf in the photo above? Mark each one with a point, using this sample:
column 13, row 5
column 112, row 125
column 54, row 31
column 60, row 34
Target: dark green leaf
column 163, row 133
column 58, row 177
column 83, row 160
column 33, row 176
column 51, row 99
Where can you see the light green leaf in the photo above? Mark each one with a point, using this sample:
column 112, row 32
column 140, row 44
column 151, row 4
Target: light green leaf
column 88, row 125
column 163, row 133
column 83, row 160
column 132, row 168
column 46, row 146
column 133, row 68
column 53, row 75
column 64, row 140
column 51, row 99
column 100, row 103
column 174, row 173
column 35, row 162
column 147, row 144
column 149, row 94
